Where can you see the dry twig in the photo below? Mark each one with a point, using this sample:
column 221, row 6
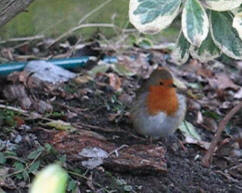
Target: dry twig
column 31, row 38
column 108, row 25
column 207, row 159
column 94, row 11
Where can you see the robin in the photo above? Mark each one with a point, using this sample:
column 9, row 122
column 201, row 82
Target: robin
column 158, row 109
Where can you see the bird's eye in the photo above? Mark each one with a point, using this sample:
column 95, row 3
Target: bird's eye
column 161, row 83
column 173, row 85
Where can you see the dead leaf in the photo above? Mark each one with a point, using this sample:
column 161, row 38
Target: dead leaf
column 222, row 81
column 138, row 65
column 236, row 171
column 42, row 107
column 199, row 117
column 18, row 77
column 206, row 73
column 13, row 92
column 114, row 82
column 238, row 95
column 17, row 92
column 210, row 124
column 125, row 98
column 200, row 143
column 95, row 157
column 6, row 182
column 19, row 120
column 83, row 79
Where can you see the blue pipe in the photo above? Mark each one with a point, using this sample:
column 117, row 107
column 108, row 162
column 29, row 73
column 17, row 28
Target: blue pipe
column 68, row 63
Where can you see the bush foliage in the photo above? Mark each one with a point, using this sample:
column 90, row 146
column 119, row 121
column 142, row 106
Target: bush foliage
column 208, row 27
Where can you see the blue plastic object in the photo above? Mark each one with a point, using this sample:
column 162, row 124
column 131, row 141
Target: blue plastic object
column 68, row 63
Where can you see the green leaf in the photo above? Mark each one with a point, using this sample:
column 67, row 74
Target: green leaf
column 224, row 35
column 25, row 175
column 11, row 153
column 128, row 188
column 151, row 9
column 34, row 167
column 71, row 185
column 18, row 166
column 2, row 158
column 181, row 53
column 151, row 16
column 32, row 155
column 207, row 51
column 222, row 5
column 62, row 159
column 195, row 23
column 51, row 179
column 48, row 148
column 189, row 130
column 237, row 23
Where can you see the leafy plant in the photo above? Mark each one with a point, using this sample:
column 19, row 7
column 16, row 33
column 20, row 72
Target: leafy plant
column 208, row 27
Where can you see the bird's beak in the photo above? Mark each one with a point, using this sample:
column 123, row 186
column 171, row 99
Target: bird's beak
column 179, row 84
column 173, row 86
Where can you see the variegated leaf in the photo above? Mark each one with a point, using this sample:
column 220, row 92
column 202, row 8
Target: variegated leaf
column 152, row 16
column 224, row 35
column 207, row 51
column 237, row 23
column 195, row 24
column 222, row 5
column 181, row 53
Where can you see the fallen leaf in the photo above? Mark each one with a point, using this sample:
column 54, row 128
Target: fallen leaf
column 122, row 70
column 188, row 130
column 238, row 95
column 42, row 107
column 17, row 92
column 95, row 157
column 114, row 82
column 200, row 143
column 60, row 125
column 222, row 81
column 236, row 171
column 138, row 65
column 83, row 79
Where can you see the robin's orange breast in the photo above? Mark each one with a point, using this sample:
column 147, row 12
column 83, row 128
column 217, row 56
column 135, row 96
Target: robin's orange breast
column 162, row 100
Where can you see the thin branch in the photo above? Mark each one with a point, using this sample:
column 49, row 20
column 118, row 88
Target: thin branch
column 108, row 25
column 207, row 159
column 94, row 11
column 82, row 25
column 14, row 109
column 23, row 39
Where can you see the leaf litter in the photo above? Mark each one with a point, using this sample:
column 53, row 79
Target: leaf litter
column 91, row 112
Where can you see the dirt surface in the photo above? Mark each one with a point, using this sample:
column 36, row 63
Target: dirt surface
column 98, row 110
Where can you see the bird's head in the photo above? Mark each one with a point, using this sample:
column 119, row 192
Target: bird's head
column 161, row 92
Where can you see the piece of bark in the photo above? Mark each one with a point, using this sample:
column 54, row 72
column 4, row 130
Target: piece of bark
column 138, row 159
column 10, row 8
